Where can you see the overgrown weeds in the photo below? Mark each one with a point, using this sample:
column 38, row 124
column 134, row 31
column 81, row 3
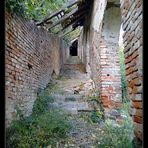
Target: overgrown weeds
column 97, row 115
column 117, row 136
column 42, row 128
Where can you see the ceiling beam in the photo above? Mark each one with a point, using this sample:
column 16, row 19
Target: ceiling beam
column 64, row 18
column 72, row 22
column 73, row 14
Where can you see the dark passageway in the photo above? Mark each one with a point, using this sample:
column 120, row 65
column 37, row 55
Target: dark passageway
column 73, row 48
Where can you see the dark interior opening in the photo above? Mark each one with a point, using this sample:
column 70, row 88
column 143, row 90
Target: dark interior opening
column 74, row 48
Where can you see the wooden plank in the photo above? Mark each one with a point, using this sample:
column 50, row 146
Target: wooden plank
column 58, row 12
column 64, row 18
column 74, row 21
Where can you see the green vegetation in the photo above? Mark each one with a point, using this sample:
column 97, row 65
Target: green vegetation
column 123, row 76
column 42, row 128
column 34, row 9
column 97, row 115
column 61, row 77
column 117, row 136
column 37, row 10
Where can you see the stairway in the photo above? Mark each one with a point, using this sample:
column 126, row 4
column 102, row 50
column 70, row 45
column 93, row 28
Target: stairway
column 74, row 94
column 75, row 91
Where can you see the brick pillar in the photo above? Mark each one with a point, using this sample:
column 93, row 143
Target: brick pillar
column 111, row 94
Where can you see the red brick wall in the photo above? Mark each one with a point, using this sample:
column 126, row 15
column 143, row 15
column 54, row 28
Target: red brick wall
column 31, row 56
column 111, row 94
column 101, row 52
column 132, row 25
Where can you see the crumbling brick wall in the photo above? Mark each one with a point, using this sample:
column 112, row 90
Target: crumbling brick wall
column 132, row 38
column 102, row 60
column 32, row 55
column 100, row 51
column 111, row 94
column 92, row 47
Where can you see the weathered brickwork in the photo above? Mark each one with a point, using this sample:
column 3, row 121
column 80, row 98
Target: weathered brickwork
column 102, row 59
column 32, row 55
column 110, row 77
column 93, row 42
column 132, row 25
column 109, row 59
column 100, row 50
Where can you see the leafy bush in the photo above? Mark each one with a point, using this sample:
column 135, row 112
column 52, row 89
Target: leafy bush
column 97, row 115
column 17, row 6
column 116, row 137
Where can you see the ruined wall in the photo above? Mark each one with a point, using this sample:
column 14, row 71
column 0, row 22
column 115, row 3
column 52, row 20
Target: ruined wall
column 32, row 55
column 132, row 38
column 91, row 39
column 100, row 51
column 111, row 94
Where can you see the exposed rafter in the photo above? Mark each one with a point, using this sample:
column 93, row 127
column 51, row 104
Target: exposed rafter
column 64, row 18
column 67, row 19
column 73, row 21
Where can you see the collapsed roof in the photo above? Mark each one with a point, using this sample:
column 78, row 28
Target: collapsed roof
column 72, row 15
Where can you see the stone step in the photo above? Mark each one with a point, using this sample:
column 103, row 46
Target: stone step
column 76, row 67
column 72, row 107
column 73, row 60
column 67, row 97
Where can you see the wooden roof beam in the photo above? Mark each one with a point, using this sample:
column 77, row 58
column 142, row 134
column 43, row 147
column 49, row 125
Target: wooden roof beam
column 72, row 22
column 74, row 13
column 64, row 18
